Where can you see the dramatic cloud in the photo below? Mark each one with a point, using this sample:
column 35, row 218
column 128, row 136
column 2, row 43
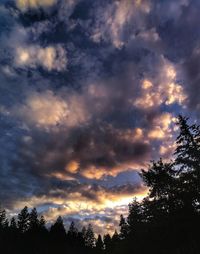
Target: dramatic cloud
column 50, row 58
column 89, row 93
column 113, row 20
column 47, row 109
column 26, row 4
column 161, row 90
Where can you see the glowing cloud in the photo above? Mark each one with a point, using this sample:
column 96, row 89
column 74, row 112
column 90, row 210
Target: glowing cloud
column 72, row 167
column 26, row 4
column 85, row 200
column 50, row 58
column 44, row 109
column 47, row 109
column 161, row 128
column 162, row 90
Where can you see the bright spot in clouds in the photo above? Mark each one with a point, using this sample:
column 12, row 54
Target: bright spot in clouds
column 50, row 58
column 26, row 4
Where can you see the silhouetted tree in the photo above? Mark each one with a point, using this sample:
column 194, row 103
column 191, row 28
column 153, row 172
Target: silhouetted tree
column 107, row 243
column 160, row 179
column 3, row 219
column 23, row 220
column 188, row 163
column 116, row 242
column 33, row 220
column 13, row 223
column 135, row 216
column 99, row 244
column 58, row 236
column 187, row 146
column 42, row 222
column 123, row 227
column 3, row 230
column 89, row 237
column 115, row 237
column 72, row 232
column 83, row 231
column 57, row 230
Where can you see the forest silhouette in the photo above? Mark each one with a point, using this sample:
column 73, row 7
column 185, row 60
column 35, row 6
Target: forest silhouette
column 166, row 221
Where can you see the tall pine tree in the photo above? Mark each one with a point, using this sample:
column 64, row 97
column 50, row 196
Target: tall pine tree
column 23, row 220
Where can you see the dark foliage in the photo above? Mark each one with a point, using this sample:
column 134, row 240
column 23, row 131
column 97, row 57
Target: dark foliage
column 167, row 221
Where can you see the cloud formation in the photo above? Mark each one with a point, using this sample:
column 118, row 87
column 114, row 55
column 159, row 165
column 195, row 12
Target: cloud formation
column 89, row 93
column 50, row 58
column 26, row 4
column 46, row 109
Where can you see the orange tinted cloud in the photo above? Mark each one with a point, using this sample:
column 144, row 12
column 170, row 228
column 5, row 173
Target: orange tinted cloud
column 161, row 126
column 72, row 167
column 163, row 90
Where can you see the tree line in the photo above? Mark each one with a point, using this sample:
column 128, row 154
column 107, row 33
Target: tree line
column 166, row 221
column 28, row 233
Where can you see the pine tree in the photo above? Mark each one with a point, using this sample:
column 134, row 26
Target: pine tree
column 159, row 178
column 89, row 237
column 115, row 237
column 188, row 146
column 99, row 244
column 107, row 243
column 33, row 220
column 188, row 162
column 3, row 219
column 57, row 230
column 135, row 216
column 13, row 223
column 83, row 231
column 42, row 222
column 115, row 241
column 23, row 220
column 123, row 227
column 80, row 241
column 72, row 232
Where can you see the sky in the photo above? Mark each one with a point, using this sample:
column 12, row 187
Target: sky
column 89, row 95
